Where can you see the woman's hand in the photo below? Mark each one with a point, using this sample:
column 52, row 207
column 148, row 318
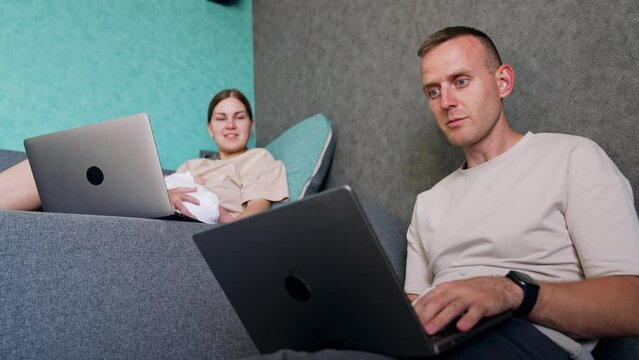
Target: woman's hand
column 225, row 217
column 179, row 195
column 252, row 207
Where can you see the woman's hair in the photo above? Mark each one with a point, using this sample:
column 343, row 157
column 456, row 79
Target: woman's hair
column 225, row 94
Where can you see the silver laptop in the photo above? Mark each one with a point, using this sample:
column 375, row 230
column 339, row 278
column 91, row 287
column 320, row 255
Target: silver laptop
column 312, row 275
column 108, row 168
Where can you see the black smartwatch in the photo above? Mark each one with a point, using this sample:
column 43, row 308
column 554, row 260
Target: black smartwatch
column 530, row 288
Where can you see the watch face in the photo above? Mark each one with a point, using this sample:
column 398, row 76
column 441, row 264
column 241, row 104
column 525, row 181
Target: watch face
column 525, row 277
column 521, row 277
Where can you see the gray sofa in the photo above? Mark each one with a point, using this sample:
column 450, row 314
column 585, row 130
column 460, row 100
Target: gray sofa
column 83, row 286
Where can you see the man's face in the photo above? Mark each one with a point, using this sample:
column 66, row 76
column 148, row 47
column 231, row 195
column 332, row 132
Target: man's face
column 462, row 93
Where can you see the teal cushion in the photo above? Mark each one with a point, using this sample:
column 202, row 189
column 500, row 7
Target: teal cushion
column 306, row 149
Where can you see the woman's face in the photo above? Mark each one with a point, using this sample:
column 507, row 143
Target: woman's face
column 230, row 127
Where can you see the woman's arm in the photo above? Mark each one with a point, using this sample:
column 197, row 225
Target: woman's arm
column 252, row 207
column 19, row 190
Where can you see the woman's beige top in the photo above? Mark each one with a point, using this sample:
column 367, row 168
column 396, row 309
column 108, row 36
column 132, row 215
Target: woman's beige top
column 252, row 175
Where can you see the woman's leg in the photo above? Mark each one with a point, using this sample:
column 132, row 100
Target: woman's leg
column 17, row 188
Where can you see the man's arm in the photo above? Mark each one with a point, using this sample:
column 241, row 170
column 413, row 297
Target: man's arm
column 594, row 308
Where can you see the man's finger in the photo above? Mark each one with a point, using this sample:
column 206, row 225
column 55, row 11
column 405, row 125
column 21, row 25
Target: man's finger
column 470, row 319
column 449, row 313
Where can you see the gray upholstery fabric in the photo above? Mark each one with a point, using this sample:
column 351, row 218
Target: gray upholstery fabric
column 79, row 286
column 391, row 234
column 83, row 286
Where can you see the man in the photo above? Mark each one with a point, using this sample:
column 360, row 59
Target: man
column 550, row 211
column 551, row 206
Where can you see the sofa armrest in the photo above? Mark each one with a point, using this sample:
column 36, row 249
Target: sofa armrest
column 84, row 286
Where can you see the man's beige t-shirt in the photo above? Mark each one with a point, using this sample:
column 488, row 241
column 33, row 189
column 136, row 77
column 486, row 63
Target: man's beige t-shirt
column 252, row 175
column 553, row 206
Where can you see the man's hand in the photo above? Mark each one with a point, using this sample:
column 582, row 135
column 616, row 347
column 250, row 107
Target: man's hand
column 179, row 195
column 473, row 298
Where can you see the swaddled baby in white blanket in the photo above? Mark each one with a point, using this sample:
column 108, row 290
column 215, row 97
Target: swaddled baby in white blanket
column 209, row 209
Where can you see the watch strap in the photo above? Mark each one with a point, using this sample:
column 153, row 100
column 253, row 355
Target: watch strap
column 530, row 289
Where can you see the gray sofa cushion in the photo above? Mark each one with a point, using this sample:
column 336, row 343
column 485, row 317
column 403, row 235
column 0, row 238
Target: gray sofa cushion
column 391, row 234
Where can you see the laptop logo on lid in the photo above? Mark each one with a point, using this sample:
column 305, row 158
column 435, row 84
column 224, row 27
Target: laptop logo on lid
column 297, row 288
column 95, row 175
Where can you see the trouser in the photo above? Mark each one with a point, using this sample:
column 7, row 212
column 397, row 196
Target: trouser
column 516, row 340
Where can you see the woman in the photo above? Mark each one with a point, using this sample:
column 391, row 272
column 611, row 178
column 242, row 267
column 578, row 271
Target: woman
column 245, row 181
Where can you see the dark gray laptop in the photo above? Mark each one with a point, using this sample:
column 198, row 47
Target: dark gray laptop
column 312, row 275
column 108, row 168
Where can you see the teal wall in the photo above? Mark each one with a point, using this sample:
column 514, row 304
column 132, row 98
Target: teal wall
column 66, row 63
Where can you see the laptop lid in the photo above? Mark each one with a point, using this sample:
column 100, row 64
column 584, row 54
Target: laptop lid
column 311, row 275
column 108, row 168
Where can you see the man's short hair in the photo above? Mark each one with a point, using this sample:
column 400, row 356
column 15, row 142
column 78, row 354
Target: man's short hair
column 493, row 60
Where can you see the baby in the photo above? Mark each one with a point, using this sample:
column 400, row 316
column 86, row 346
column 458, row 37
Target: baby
column 209, row 209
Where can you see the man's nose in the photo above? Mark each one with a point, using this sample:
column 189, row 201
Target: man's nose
column 447, row 98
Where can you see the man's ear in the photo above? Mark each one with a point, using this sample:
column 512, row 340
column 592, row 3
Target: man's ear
column 505, row 77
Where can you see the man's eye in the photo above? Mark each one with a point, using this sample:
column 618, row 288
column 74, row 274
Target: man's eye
column 433, row 93
column 462, row 82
